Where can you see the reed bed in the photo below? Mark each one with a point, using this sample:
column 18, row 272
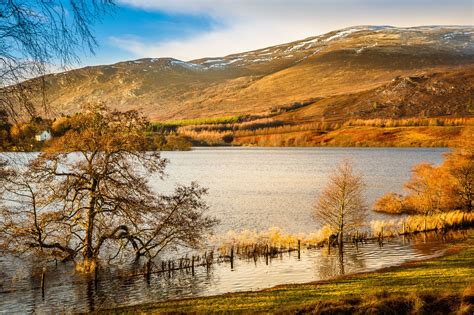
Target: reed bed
column 254, row 123
column 274, row 241
column 209, row 137
column 410, row 122
column 248, row 243
column 422, row 223
column 319, row 126
column 219, row 134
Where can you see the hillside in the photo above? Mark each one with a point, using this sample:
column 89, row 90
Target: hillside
column 358, row 72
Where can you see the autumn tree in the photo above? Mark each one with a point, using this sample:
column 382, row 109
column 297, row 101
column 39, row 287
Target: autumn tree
column 429, row 190
column 341, row 204
column 433, row 189
column 460, row 165
column 390, row 203
column 89, row 198
column 5, row 127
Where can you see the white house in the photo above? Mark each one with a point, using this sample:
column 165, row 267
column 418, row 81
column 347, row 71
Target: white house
column 44, row 136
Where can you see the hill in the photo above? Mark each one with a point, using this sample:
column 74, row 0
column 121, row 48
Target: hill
column 358, row 72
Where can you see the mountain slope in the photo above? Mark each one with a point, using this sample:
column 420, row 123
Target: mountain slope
column 356, row 72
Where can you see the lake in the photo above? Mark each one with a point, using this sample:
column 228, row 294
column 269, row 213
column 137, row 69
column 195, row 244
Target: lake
column 260, row 188
column 249, row 189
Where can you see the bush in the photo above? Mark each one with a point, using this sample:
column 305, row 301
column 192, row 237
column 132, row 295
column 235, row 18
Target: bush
column 390, row 203
column 177, row 143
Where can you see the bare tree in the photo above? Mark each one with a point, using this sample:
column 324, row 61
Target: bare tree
column 88, row 197
column 341, row 205
column 36, row 34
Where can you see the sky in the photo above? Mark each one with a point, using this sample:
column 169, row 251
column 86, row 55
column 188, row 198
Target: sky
column 192, row 29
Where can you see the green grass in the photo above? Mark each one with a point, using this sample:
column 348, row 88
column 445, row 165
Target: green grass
column 196, row 121
column 437, row 283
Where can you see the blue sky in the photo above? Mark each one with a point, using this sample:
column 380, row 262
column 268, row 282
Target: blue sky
column 190, row 29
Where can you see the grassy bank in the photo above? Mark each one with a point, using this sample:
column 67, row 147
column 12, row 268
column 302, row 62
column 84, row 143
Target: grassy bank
column 442, row 285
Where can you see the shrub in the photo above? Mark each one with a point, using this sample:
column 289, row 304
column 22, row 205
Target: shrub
column 390, row 203
column 177, row 143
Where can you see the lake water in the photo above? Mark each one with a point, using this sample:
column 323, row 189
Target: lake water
column 249, row 188
column 260, row 188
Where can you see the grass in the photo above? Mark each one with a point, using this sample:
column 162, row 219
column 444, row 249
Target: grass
column 196, row 121
column 442, row 285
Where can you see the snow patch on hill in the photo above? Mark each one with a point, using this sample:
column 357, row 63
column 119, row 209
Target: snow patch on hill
column 342, row 34
column 187, row 65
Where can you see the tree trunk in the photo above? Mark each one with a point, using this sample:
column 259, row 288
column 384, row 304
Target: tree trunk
column 88, row 254
column 341, row 237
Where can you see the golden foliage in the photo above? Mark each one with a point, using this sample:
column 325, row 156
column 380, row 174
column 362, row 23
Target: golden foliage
column 390, row 203
column 441, row 188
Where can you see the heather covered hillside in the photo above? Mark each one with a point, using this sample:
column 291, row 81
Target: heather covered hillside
column 357, row 72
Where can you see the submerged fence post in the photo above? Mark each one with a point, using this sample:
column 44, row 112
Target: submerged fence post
column 232, row 258
column 299, row 249
column 192, row 266
column 266, row 254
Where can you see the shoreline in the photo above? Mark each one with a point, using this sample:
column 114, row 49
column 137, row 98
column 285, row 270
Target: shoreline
column 411, row 281
column 210, row 147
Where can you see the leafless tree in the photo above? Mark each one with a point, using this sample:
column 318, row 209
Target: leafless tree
column 88, row 197
column 37, row 34
column 341, row 205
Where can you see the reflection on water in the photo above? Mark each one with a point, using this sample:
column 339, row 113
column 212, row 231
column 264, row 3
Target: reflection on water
column 255, row 188
column 67, row 291
column 260, row 188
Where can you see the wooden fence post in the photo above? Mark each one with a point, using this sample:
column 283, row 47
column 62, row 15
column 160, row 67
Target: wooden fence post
column 266, row 254
column 299, row 249
column 232, row 258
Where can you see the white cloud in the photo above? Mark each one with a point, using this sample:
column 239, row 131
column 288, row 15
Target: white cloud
column 253, row 24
